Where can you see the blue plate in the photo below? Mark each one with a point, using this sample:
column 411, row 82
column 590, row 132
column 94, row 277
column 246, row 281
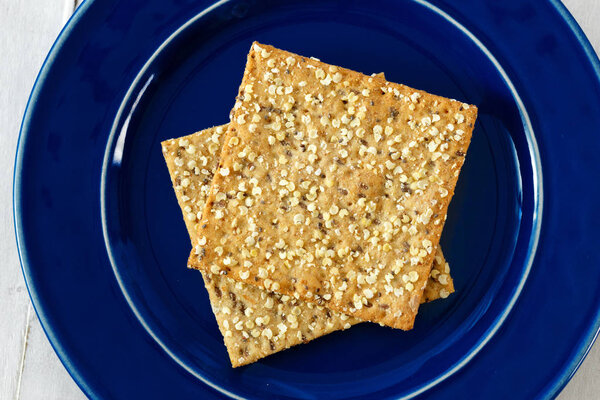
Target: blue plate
column 104, row 249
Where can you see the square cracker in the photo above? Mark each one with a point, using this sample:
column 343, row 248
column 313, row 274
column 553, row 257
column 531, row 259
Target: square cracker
column 192, row 161
column 333, row 186
column 254, row 323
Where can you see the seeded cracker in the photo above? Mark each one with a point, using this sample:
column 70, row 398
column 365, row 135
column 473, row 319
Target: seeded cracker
column 333, row 186
column 255, row 323
column 440, row 284
column 192, row 161
column 352, row 225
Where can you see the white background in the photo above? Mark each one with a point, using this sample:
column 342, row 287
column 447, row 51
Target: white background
column 29, row 369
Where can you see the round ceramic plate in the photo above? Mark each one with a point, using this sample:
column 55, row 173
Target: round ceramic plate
column 104, row 248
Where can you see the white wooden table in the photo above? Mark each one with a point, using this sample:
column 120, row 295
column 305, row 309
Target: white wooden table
column 29, row 368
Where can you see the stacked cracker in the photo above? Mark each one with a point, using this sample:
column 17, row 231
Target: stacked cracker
column 321, row 204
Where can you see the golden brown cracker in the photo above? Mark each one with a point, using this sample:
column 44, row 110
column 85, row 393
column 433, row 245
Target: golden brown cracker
column 333, row 186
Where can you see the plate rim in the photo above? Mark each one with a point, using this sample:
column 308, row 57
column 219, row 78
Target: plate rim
column 586, row 344
column 556, row 384
column 47, row 328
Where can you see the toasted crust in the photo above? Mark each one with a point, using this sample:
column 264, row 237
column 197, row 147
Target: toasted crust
column 352, row 226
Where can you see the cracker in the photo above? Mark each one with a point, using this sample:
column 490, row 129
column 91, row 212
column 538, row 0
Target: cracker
column 440, row 284
column 333, row 186
column 254, row 323
column 192, row 161
column 353, row 225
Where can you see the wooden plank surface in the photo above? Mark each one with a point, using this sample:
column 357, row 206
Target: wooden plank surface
column 29, row 368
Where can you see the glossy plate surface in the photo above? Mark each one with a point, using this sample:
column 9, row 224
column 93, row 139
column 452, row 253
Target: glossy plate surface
column 104, row 248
